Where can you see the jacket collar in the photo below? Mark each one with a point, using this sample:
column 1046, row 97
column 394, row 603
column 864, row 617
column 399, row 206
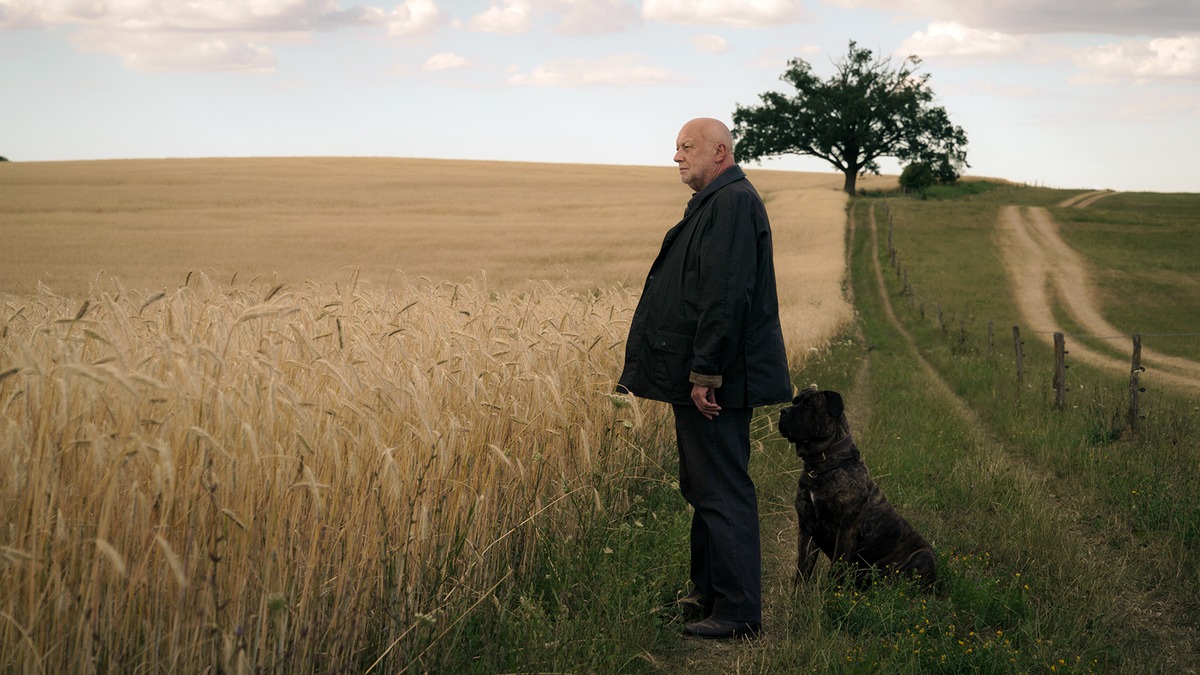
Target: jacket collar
column 730, row 175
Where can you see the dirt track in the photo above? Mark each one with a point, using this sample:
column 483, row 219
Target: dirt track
column 1044, row 271
column 1085, row 199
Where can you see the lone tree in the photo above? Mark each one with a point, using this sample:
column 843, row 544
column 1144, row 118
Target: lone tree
column 867, row 110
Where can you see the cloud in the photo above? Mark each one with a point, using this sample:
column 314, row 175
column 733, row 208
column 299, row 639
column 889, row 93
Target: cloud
column 415, row 17
column 955, row 39
column 595, row 17
column 1109, row 17
column 445, row 61
column 1159, row 59
column 18, row 15
column 213, row 15
column 613, row 71
column 739, row 13
column 157, row 52
column 711, row 44
column 576, row 17
column 510, row 18
column 218, row 35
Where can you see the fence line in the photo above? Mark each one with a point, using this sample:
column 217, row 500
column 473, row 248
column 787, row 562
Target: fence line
column 1113, row 337
column 1060, row 351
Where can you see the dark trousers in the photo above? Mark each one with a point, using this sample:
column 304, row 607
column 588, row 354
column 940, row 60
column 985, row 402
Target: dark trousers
column 714, row 477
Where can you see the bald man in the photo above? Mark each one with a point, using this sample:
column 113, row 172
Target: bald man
column 706, row 339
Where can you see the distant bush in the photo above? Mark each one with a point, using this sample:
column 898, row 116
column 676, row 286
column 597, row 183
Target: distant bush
column 917, row 177
column 3, row 159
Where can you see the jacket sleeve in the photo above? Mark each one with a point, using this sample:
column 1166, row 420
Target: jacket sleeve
column 725, row 276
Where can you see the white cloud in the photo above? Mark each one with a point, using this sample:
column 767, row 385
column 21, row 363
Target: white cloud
column 740, row 13
column 710, row 44
column 415, row 17
column 955, row 39
column 576, row 17
column 220, row 35
column 1112, row 17
column 510, row 18
column 156, row 52
column 1166, row 59
column 21, row 14
column 614, row 71
column 445, row 61
column 212, row 15
column 594, row 17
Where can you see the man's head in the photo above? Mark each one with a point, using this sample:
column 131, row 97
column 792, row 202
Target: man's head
column 703, row 149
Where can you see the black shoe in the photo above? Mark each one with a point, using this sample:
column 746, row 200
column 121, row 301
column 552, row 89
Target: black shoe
column 720, row 629
column 695, row 605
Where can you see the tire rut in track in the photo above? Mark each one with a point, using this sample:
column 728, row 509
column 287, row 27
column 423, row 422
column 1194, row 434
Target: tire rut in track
column 1041, row 266
column 1066, row 512
column 1085, row 199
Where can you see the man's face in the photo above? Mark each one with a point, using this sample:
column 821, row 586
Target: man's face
column 695, row 156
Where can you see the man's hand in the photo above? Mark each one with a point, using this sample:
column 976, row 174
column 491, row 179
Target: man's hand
column 705, row 399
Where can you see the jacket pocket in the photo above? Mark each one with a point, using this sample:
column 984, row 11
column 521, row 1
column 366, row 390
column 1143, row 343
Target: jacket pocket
column 672, row 360
column 675, row 343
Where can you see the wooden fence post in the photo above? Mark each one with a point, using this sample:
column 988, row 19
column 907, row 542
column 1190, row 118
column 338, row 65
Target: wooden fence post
column 1134, row 389
column 1060, row 370
column 1020, row 355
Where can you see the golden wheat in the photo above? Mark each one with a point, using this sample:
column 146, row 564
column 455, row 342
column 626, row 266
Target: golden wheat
column 288, row 475
column 218, row 478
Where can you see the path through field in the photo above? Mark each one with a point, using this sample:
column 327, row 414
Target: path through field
column 1044, row 270
column 808, row 222
column 1168, row 620
column 1085, row 199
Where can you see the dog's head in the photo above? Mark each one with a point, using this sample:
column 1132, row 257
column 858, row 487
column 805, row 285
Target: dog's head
column 814, row 418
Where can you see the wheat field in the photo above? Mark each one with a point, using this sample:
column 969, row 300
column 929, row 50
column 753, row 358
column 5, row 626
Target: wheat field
column 302, row 415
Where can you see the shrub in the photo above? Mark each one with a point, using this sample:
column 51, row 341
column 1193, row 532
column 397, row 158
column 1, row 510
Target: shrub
column 917, row 177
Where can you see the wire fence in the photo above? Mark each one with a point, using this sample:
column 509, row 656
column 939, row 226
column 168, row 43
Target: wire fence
column 1059, row 338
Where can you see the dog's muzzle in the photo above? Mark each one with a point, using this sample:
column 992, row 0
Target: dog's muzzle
column 790, row 429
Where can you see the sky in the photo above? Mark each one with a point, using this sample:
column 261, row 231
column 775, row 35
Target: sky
column 1098, row 94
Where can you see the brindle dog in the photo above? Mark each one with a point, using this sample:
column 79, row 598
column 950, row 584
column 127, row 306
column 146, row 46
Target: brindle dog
column 841, row 510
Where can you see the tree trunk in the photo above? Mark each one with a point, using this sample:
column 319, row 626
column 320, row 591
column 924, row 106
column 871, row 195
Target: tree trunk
column 851, row 181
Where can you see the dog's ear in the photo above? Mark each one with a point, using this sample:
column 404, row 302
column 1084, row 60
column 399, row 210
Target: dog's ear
column 836, row 406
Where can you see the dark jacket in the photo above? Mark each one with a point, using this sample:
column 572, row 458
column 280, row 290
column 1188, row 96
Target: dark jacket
column 709, row 313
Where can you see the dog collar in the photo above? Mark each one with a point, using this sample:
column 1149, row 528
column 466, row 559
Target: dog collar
column 840, row 446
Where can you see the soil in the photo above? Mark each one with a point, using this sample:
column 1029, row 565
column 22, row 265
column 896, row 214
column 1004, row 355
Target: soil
column 1042, row 267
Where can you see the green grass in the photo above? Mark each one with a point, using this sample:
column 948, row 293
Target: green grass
column 1142, row 247
column 1065, row 542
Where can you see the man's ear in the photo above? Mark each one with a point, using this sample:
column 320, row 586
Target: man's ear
column 836, row 406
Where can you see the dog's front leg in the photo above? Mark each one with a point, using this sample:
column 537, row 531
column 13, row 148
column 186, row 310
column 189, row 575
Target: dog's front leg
column 806, row 556
column 806, row 548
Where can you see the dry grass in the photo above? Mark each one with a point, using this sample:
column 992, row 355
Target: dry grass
column 273, row 479
column 284, row 469
column 151, row 223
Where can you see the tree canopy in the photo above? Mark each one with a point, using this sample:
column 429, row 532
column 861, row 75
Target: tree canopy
column 868, row 109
